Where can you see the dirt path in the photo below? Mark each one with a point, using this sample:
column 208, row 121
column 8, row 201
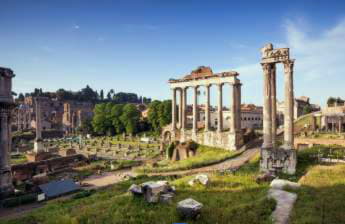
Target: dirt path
column 232, row 163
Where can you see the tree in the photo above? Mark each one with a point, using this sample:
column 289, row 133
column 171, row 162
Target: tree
column 307, row 109
column 21, row 97
column 86, row 126
column 101, row 121
column 101, row 95
column 153, row 115
column 130, row 118
column 331, row 101
column 159, row 114
column 116, row 113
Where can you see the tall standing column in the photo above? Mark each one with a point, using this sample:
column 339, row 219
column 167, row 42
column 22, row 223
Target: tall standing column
column 220, row 108
column 289, row 104
column 207, row 109
column 195, row 109
column 38, row 120
column 238, row 106
column 274, row 104
column 173, row 110
column 267, row 119
column 340, row 124
column 180, row 107
column 184, row 102
column 233, row 117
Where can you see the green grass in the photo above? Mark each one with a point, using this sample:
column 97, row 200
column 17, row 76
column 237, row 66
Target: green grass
column 205, row 156
column 231, row 198
column 321, row 198
column 18, row 159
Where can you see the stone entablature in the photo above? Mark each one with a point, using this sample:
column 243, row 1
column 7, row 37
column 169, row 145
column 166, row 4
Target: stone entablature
column 203, row 76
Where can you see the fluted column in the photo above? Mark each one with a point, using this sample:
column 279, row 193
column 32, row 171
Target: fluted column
column 180, row 109
column 233, row 110
column 220, row 108
column 207, row 109
column 173, row 110
column 38, row 120
column 267, row 119
column 340, row 124
column 274, row 104
column 184, row 102
column 195, row 109
column 289, row 103
column 237, row 92
column 4, row 140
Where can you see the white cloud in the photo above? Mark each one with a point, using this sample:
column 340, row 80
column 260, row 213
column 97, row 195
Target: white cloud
column 319, row 68
column 76, row 27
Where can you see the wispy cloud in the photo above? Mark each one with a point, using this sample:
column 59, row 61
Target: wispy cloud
column 319, row 66
column 77, row 27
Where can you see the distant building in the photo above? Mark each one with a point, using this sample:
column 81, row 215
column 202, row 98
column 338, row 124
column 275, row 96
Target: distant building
column 74, row 114
column 299, row 108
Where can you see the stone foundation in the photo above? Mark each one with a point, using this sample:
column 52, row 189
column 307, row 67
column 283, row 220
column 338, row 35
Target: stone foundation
column 226, row 140
column 279, row 159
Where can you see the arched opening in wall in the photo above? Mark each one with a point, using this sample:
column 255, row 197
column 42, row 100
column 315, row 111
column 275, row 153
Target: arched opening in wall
column 167, row 137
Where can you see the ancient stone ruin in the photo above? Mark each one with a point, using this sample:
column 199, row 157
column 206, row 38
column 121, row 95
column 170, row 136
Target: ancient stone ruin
column 203, row 76
column 274, row 158
column 6, row 106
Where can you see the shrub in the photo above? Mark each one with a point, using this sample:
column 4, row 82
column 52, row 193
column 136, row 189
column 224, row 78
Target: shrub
column 20, row 200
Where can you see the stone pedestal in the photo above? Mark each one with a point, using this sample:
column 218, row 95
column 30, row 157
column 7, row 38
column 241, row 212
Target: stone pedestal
column 278, row 160
column 38, row 146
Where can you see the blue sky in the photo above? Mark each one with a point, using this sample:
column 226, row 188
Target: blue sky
column 136, row 46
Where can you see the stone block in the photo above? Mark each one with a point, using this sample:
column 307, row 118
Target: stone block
column 189, row 208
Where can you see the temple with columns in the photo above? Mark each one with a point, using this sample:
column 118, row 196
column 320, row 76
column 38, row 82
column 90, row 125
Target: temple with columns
column 203, row 76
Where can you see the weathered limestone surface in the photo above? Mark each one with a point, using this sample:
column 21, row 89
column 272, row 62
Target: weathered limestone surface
column 281, row 184
column 6, row 106
column 203, row 76
column 285, row 201
column 189, row 208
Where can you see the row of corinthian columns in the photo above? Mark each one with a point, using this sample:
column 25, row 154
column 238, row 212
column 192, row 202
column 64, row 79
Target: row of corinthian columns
column 270, row 105
column 235, row 122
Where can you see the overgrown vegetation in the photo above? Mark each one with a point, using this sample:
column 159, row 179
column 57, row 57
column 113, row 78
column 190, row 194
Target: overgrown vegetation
column 229, row 198
column 18, row 159
column 205, row 156
column 321, row 198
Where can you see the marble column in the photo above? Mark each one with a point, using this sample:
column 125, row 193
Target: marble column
column 289, row 105
column 38, row 120
column 238, row 106
column 233, row 110
column 195, row 109
column 6, row 186
column 340, row 125
column 207, row 109
column 173, row 110
column 184, row 102
column 180, row 109
column 274, row 104
column 220, row 108
column 267, row 119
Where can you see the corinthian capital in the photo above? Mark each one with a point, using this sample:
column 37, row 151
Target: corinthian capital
column 288, row 65
column 267, row 67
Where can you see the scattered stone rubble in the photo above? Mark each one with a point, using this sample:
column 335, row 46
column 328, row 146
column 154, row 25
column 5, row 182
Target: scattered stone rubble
column 189, row 208
column 285, row 200
column 200, row 178
column 154, row 192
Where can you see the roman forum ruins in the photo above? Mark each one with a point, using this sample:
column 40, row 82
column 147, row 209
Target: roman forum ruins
column 6, row 106
column 203, row 76
column 38, row 144
column 274, row 158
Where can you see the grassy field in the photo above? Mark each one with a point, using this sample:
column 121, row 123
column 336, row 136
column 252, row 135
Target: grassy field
column 230, row 198
column 205, row 156
column 18, row 159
